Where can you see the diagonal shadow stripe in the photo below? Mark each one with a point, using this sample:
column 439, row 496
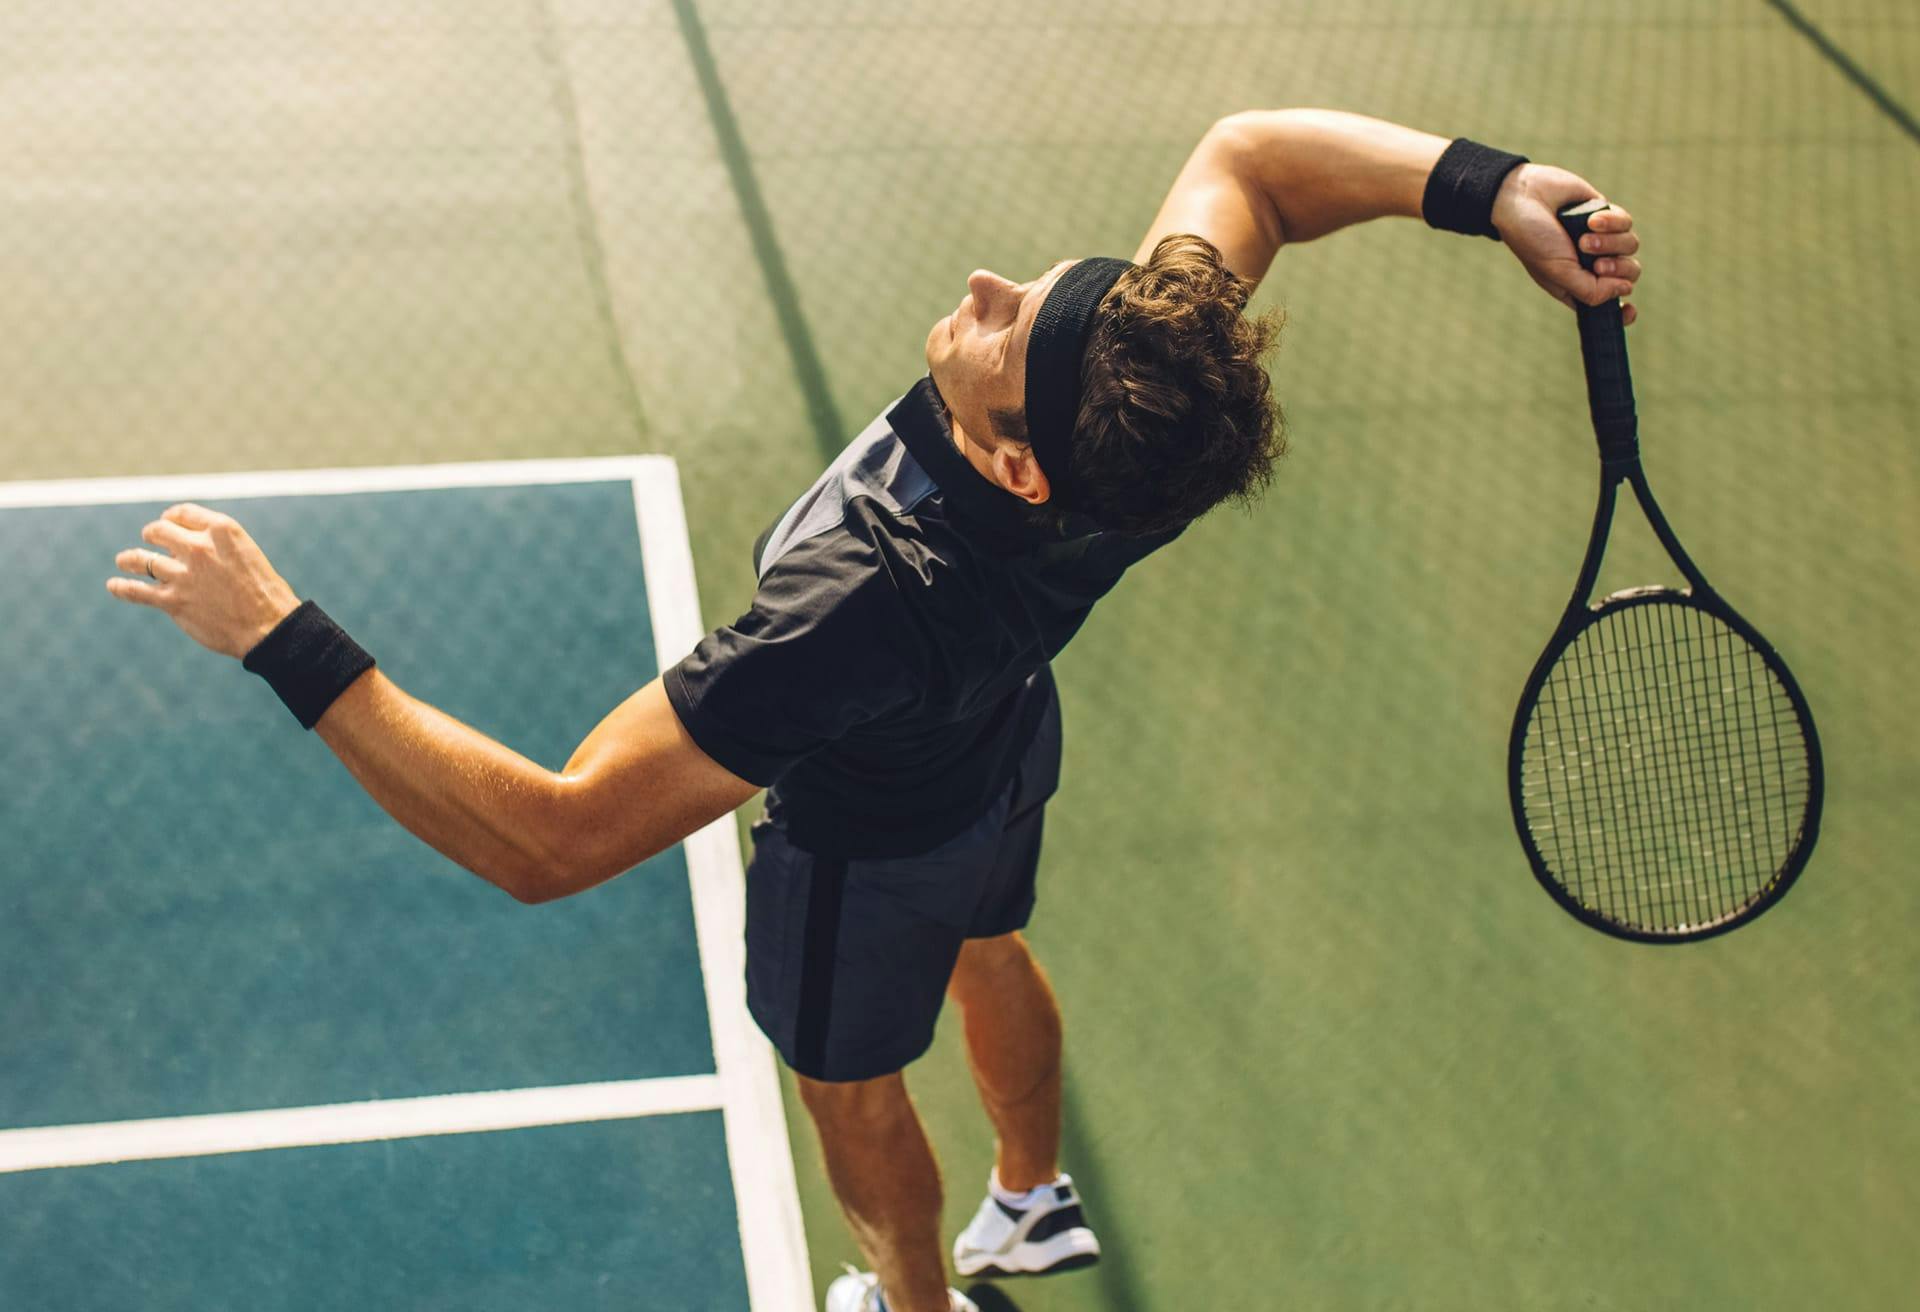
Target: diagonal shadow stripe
column 824, row 417
column 1856, row 74
column 1113, row 1275
column 586, row 222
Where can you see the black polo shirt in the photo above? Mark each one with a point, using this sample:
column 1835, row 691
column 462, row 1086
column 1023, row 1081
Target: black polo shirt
column 894, row 665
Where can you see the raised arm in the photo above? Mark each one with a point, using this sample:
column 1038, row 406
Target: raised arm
column 1261, row 179
column 1325, row 169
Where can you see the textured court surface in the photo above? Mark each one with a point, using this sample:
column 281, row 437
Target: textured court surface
column 616, row 1215
column 1328, row 1044
column 212, row 930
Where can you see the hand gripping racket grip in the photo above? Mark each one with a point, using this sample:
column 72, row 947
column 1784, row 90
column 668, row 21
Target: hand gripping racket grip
column 1603, row 345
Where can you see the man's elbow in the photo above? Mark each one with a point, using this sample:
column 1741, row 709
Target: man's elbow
column 532, row 891
column 551, row 880
column 555, row 859
column 543, row 879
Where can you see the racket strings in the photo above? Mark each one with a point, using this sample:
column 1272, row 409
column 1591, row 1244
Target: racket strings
column 1665, row 778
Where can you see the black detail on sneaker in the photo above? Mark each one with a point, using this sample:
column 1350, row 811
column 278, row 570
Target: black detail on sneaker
column 1063, row 1193
column 1011, row 1213
column 1067, row 1218
column 1074, row 1263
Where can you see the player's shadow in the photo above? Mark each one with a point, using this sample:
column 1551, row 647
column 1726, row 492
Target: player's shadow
column 991, row 1299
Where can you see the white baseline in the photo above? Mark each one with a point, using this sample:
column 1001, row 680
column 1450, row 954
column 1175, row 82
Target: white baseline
column 351, row 1122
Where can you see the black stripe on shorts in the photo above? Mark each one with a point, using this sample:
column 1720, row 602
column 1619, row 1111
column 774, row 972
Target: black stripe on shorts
column 829, row 882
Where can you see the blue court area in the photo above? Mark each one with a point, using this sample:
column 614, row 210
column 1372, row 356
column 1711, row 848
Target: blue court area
column 621, row 1214
column 205, row 915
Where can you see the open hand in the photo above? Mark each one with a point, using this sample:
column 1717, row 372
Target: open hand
column 1526, row 212
column 212, row 580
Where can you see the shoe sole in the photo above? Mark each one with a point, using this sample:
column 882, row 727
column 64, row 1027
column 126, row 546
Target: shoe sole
column 1074, row 1254
column 1065, row 1264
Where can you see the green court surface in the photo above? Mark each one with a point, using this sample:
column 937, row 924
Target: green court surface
column 1329, row 1046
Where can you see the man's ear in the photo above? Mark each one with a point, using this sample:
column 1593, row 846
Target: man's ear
column 1015, row 469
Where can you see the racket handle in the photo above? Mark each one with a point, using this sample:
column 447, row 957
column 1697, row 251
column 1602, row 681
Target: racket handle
column 1603, row 345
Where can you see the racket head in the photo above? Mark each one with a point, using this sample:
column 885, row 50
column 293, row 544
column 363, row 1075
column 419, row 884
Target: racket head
column 1664, row 770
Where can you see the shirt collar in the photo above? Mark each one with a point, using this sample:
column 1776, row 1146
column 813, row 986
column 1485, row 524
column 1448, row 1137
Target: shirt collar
column 1002, row 519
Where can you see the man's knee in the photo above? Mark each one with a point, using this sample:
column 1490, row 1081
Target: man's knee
column 854, row 1102
column 982, row 959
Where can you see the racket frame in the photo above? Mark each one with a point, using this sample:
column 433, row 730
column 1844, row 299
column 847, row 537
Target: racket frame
column 1603, row 343
column 1581, row 615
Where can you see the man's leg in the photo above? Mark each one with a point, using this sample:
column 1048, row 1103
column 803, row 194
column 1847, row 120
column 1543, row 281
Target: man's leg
column 1013, row 1046
column 884, row 1175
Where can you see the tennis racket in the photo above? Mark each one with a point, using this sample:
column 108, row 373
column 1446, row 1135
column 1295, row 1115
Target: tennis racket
column 1664, row 769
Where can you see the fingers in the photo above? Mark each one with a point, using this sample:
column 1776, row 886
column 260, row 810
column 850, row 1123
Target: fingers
column 1597, row 291
column 150, row 564
column 1600, row 292
column 189, row 515
column 137, row 591
column 1613, row 276
column 166, row 533
column 153, row 570
column 1612, row 219
column 1610, row 235
column 1624, row 265
column 1610, row 243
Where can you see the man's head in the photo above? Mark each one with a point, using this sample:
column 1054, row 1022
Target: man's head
column 1176, row 411
column 978, row 358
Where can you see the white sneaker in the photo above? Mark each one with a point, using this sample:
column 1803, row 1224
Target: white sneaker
column 859, row 1291
column 1049, row 1236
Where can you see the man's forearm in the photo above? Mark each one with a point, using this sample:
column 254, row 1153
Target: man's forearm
column 1324, row 169
column 480, row 803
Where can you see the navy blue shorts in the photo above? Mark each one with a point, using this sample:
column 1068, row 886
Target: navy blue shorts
column 848, row 959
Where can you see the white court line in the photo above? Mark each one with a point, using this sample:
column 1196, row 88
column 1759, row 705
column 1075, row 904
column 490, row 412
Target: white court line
column 351, row 1122
column 330, row 482
column 772, row 1238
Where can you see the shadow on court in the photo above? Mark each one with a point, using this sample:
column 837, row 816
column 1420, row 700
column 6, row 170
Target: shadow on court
column 1114, row 1273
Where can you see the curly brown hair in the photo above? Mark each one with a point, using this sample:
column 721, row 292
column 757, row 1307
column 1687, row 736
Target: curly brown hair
column 1177, row 413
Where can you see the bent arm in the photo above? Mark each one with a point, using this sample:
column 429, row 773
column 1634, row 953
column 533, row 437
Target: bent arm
column 480, row 803
column 1325, row 169
column 1265, row 177
column 635, row 786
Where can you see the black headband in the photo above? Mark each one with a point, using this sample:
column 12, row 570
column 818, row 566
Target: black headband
column 1055, row 348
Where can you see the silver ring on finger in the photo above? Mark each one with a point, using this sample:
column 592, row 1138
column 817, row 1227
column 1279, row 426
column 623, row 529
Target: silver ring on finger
column 150, row 573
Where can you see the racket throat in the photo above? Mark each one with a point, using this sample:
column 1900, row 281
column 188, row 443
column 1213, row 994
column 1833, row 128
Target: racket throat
column 1696, row 581
column 1612, row 475
column 1596, row 544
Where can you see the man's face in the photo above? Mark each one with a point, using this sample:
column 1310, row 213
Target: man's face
column 978, row 354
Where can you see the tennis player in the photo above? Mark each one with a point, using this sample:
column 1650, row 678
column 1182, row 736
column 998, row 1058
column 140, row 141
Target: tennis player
column 890, row 685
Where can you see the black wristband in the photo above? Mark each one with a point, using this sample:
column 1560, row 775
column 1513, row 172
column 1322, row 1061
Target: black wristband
column 309, row 661
column 1461, row 188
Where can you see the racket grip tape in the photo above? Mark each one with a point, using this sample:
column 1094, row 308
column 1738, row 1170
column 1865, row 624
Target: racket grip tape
column 1603, row 346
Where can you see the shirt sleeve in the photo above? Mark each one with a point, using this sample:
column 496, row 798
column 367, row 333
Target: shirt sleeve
column 826, row 646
